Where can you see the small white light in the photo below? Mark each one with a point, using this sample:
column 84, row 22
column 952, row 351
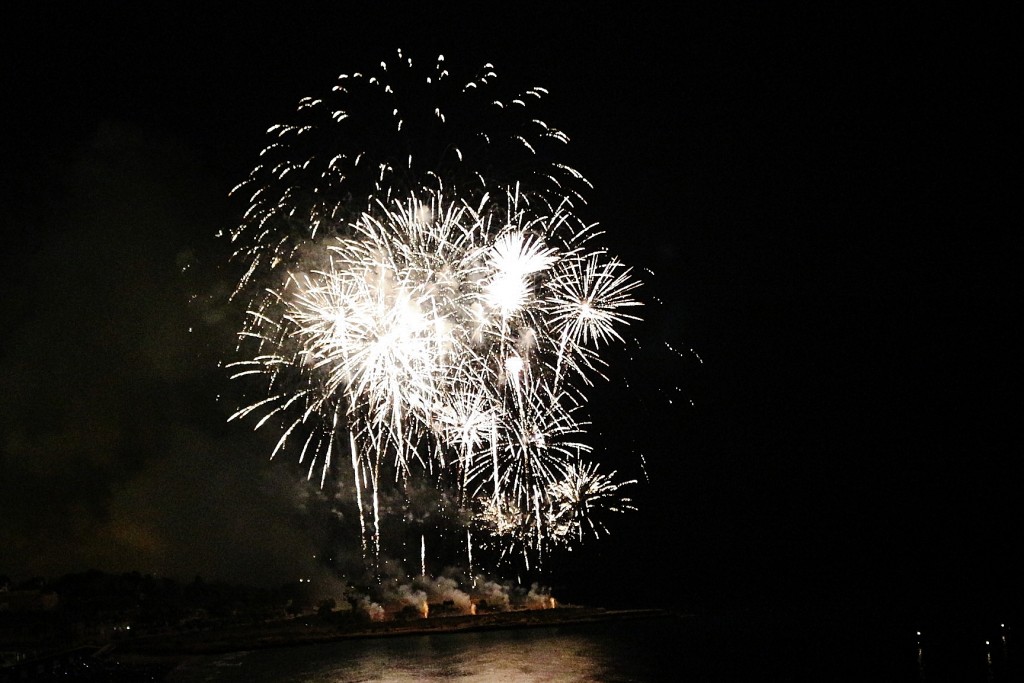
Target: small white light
column 514, row 365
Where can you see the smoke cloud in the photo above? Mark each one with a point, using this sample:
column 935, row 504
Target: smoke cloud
column 115, row 451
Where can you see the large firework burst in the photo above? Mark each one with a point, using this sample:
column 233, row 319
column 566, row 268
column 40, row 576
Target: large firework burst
column 423, row 301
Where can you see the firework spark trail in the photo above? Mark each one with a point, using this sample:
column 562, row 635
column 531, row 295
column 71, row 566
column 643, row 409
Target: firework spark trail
column 442, row 303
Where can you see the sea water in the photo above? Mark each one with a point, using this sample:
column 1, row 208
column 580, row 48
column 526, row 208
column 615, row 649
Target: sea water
column 669, row 648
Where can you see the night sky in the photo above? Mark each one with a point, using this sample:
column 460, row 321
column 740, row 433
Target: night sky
column 821, row 195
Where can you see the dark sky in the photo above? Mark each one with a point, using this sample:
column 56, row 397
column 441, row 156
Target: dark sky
column 822, row 196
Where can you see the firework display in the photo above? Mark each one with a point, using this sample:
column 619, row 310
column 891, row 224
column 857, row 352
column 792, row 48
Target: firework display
column 425, row 310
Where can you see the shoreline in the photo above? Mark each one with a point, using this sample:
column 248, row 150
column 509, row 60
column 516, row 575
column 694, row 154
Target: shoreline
column 312, row 630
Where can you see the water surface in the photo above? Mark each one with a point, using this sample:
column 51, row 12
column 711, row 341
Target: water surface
column 733, row 648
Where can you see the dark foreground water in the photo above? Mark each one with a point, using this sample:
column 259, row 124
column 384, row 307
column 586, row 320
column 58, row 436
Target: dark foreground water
column 656, row 649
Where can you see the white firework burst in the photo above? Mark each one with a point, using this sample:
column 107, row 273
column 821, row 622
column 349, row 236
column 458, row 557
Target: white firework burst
column 420, row 310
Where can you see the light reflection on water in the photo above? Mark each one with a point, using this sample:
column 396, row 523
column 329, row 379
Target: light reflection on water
column 552, row 655
column 475, row 658
column 677, row 649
